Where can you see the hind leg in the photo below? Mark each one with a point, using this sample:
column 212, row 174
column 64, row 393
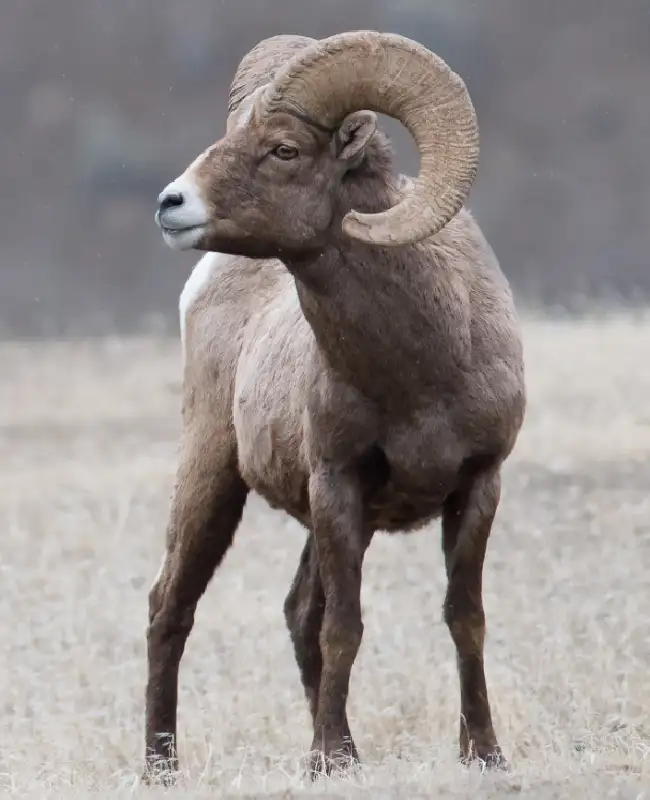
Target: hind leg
column 207, row 507
column 466, row 524
column 303, row 612
column 304, row 609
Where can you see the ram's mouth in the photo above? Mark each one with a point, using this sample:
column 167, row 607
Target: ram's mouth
column 181, row 238
column 180, row 231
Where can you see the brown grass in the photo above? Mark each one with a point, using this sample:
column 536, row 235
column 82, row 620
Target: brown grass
column 87, row 456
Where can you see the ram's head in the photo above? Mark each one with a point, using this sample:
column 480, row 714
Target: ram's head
column 301, row 115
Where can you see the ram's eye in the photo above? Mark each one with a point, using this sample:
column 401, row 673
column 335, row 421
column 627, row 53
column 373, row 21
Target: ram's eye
column 285, row 152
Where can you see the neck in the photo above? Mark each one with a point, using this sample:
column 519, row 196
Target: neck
column 382, row 316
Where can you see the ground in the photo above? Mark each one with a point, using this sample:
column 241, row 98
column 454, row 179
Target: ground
column 88, row 436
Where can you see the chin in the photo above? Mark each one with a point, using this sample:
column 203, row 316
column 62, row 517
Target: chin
column 186, row 239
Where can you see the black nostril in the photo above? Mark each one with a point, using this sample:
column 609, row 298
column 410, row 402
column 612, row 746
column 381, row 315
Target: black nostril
column 172, row 200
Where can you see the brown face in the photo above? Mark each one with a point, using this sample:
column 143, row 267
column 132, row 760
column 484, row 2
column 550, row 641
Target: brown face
column 269, row 187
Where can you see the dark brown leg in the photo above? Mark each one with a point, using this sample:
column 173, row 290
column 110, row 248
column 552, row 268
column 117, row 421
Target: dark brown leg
column 207, row 507
column 303, row 611
column 466, row 524
column 340, row 543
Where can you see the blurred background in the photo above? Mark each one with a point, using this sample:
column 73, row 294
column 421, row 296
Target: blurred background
column 104, row 101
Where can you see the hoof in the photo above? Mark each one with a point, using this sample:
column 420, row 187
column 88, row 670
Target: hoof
column 343, row 758
column 160, row 773
column 486, row 758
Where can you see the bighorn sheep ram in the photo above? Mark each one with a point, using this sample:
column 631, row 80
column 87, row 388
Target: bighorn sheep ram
column 351, row 353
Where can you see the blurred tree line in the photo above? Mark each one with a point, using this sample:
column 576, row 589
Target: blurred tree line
column 104, row 101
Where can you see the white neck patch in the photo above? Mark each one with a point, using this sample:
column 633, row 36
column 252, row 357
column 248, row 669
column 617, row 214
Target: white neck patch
column 195, row 286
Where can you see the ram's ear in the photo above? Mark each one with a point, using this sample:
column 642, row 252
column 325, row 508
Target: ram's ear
column 353, row 135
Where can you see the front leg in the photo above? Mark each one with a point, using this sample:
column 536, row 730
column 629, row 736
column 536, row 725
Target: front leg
column 466, row 524
column 304, row 608
column 207, row 507
column 338, row 529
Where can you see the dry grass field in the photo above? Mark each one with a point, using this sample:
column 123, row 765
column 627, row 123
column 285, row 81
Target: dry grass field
column 87, row 455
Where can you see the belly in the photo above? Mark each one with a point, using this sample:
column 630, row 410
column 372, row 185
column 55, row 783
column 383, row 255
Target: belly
column 397, row 496
column 407, row 502
column 284, row 483
column 396, row 508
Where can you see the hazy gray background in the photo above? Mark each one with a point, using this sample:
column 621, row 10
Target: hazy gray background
column 104, row 101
